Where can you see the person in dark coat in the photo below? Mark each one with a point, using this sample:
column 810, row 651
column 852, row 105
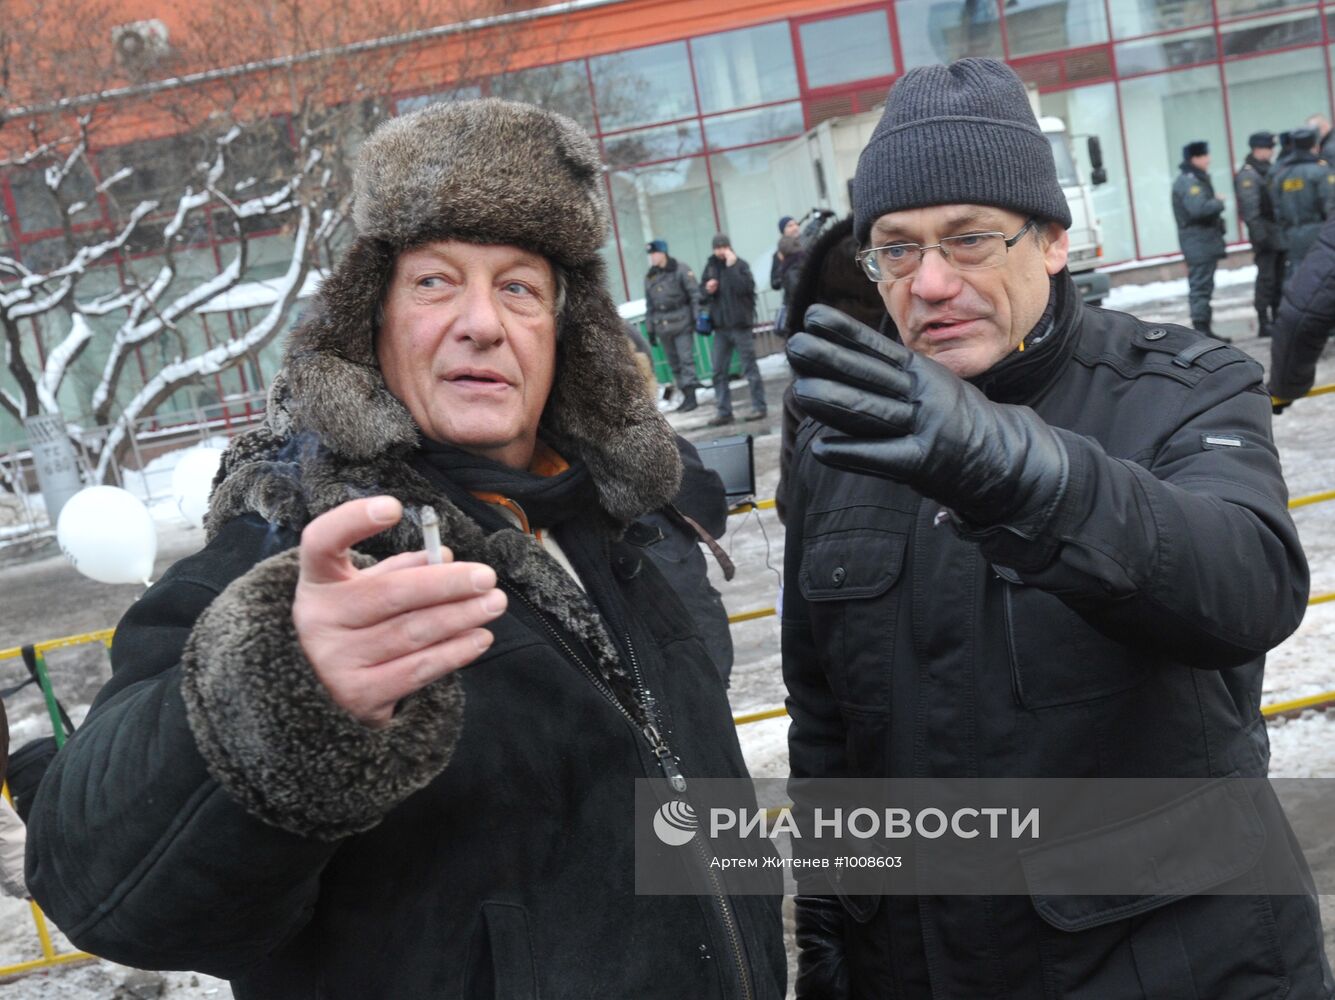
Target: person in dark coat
column 1305, row 322
column 1303, row 189
column 326, row 767
column 788, row 226
column 730, row 296
column 1257, row 208
column 829, row 275
column 671, row 301
column 1200, row 231
column 980, row 586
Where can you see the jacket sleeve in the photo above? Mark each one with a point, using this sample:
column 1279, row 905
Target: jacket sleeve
column 1191, row 549
column 775, row 271
column 1247, row 187
column 705, row 299
column 188, row 820
column 816, row 735
column 1306, row 318
column 1201, row 208
column 692, row 289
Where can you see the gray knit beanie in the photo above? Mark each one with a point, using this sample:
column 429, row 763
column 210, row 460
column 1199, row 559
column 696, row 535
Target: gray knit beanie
column 962, row 134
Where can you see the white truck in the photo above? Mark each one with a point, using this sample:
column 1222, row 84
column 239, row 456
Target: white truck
column 816, row 168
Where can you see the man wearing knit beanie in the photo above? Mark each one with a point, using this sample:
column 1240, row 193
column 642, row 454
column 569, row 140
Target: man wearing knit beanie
column 1006, row 558
column 1200, row 231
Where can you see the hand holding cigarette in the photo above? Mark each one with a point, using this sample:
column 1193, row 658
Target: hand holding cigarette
column 374, row 636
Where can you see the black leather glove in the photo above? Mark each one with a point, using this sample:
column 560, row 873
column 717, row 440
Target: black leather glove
column 822, row 972
column 914, row 421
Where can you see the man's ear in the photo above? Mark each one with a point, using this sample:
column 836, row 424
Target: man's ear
column 1056, row 245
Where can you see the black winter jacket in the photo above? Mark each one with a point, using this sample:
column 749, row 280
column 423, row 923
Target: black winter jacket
column 510, row 874
column 1199, row 216
column 1128, row 640
column 732, row 306
column 1252, row 188
column 671, row 299
column 1306, row 319
column 1304, row 194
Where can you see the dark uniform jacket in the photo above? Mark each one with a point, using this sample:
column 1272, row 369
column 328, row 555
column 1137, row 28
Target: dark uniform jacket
column 1199, row 215
column 1304, row 195
column 1306, row 319
column 732, row 306
column 1126, row 641
column 1255, row 205
column 671, row 299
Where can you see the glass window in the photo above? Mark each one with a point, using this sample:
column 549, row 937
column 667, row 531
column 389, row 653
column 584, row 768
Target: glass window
column 39, row 207
column 1265, row 33
column 749, row 204
column 844, row 49
column 741, row 128
column 1153, row 54
column 668, row 201
column 941, row 31
column 563, row 87
column 737, row 68
column 1166, row 112
column 643, row 85
column 1034, row 26
column 1086, row 112
column 1274, row 93
column 462, row 93
column 161, row 168
column 1144, row 17
column 259, row 160
column 1239, row 8
column 663, row 142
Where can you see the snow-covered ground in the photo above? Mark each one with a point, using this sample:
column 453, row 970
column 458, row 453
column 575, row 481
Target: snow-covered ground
column 1301, row 666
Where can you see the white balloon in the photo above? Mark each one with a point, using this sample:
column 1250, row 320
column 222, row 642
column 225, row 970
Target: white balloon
column 192, row 479
column 108, row 535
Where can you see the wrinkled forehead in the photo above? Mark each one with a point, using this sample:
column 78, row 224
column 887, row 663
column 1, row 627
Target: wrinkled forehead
column 927, row 225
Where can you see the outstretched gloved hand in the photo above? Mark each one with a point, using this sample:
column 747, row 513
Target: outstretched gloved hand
column 912, row 420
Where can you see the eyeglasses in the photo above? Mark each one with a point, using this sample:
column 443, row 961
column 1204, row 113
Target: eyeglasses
column 968, row 252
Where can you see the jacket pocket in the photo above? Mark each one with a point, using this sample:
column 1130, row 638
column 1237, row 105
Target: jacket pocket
column 848, row 580
column 1154, row 939
column 1057, row 658
column 500, row 962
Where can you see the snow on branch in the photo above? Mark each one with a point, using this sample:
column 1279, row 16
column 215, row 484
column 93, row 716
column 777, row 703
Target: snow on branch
column 217, row 359
column 58, row 361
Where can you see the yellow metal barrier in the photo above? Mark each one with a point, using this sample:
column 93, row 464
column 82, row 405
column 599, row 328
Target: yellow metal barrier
column 50, row 956
column 101, row 635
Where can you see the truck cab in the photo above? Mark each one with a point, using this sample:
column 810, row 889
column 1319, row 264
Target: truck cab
column 815, row 169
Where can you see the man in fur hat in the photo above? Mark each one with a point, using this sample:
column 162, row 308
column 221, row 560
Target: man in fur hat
column 289, row 781
column 1029, row 539
column 1200, row 231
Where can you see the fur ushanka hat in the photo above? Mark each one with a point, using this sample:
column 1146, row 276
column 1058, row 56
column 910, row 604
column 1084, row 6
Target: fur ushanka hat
column 494, row 172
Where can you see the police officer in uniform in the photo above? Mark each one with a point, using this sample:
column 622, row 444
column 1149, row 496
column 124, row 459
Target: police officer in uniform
column 1200, row 231
column 1303, row 190
column 671, row 299
column 1257, row 209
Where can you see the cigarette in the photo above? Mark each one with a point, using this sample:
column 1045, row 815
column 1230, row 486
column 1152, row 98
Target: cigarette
column 431, row 535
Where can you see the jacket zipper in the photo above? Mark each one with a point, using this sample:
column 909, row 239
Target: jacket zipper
column 658, row 746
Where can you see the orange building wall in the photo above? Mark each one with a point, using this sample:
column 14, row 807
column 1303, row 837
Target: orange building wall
column 430, row 64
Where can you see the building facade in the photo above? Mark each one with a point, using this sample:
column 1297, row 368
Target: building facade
column 691, row 101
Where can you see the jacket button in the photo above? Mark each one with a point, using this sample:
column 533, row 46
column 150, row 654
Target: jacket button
column 838, row 576
column 1158, row 333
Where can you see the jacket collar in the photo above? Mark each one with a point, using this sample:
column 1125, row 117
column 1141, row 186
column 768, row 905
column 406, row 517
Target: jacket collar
column 1025, row 375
